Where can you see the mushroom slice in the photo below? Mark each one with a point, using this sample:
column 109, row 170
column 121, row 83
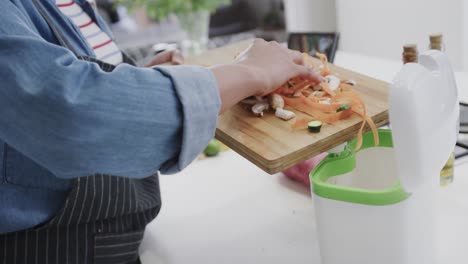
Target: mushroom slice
column 284, row 114
column 258, row 108
column 333, row 82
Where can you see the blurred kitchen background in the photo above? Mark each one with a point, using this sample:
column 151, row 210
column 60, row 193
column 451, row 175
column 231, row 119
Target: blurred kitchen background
column 366, row 27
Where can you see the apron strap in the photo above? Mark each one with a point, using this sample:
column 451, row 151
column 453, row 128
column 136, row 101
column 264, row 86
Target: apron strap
column 107, row 67
column 59, row 35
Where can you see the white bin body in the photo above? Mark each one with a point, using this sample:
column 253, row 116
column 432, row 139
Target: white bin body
column 350, row 233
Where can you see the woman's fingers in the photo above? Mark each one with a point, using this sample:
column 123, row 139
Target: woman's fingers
column 160, row 58
column 173, row 57
column 273, row 64
column 177, row 58
column 295, row 55
column 307, row 73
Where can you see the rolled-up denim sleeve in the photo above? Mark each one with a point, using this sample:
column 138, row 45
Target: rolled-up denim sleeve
column 201, row 103
column 74, row 119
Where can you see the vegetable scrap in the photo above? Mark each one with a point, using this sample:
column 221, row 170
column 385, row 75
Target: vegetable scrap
column 329, row 101
column 314, row 126
column 343, row 108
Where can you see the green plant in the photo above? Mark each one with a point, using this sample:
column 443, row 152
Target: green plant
column 160, row 9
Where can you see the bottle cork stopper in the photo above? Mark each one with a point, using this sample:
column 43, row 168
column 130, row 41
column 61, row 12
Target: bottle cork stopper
column 410, row 48
column 410, row 53
column 436, row 42
column 435, row 38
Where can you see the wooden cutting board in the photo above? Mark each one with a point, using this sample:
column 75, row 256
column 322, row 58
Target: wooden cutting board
column 271, row 143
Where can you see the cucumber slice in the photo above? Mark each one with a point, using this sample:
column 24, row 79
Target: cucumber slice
column 314, row 126
column 343, row 108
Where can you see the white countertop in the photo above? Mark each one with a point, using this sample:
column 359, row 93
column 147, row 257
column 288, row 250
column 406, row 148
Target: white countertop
column 226, row 210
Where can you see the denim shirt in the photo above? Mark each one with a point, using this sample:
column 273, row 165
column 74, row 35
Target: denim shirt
column 62, row 118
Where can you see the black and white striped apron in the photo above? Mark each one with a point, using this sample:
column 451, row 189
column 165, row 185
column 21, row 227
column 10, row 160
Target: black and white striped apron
column 102, row 221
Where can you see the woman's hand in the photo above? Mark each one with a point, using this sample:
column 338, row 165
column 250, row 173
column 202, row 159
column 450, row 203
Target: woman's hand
column 274, row 64
column 259, row 70
column 172, row 57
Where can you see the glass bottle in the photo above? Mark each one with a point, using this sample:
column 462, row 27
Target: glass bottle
column 447, row 173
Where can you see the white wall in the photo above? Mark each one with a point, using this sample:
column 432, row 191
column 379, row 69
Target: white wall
column 465, row 35
column 310, row 15
column 380, row 28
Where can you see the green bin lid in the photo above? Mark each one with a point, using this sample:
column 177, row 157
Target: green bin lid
column 344, row 163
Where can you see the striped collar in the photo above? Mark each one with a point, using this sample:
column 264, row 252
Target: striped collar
column 103, row 46
column 65, row 30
